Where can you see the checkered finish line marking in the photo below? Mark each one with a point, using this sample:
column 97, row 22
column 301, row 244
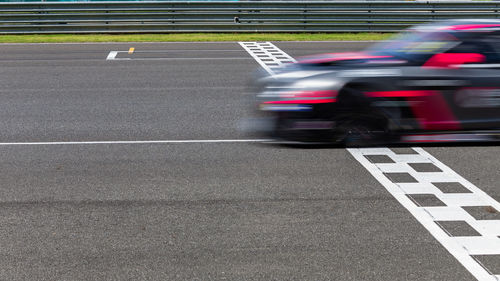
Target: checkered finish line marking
column 463, row 218
column 267, row 55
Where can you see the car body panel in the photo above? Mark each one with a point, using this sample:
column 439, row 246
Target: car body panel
column 440, row 78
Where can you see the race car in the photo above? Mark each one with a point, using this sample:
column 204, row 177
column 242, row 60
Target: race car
column 437, row 82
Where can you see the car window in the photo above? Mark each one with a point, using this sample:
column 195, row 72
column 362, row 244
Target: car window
column 417, row 46
column 478, row 46
column 493, row 41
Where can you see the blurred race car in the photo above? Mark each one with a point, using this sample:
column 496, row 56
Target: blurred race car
column 437, row 82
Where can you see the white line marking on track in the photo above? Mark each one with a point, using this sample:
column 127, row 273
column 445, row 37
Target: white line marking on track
column 155, row 59
column 112, row 55
column 135, row 142
column 425, row 183
column 193, row 51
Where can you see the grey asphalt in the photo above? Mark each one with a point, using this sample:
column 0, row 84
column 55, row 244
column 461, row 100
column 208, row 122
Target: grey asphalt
column 211, row 211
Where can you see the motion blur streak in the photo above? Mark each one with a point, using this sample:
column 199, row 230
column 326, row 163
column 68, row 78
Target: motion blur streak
column 307, row 97
column 453, row 60
column 443, row 138
column 470, row 26
column 301, row 101
column 433, row 113
column 429, row 107
column 439, row 78
column 311, row 94
column 397, row 94
column 330, row 57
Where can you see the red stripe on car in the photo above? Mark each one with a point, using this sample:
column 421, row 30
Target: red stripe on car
column 429, row 107
column 469, row 26
column 453, row 60
column 397, row 94
column 307, row 101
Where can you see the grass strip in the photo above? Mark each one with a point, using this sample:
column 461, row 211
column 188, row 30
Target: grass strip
column 191, row 37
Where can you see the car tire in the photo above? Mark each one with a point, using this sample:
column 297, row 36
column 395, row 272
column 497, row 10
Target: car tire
column 364, row 131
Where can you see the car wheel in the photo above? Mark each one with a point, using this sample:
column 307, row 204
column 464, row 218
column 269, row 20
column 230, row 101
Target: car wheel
column 362, row 132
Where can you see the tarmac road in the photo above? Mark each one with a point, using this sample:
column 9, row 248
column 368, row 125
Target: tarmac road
column 189, row 211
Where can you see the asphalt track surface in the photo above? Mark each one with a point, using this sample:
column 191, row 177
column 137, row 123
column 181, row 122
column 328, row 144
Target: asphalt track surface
column 189, row 211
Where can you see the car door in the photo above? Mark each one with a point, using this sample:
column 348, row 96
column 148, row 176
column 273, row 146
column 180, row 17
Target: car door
column 476, row 104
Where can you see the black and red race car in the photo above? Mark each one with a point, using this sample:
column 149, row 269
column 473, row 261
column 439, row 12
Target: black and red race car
column 438, row 82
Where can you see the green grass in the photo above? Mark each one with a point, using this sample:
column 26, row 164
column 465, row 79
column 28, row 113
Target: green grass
column 191, row 37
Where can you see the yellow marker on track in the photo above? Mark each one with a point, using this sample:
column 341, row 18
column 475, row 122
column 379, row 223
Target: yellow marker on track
column 131, row 50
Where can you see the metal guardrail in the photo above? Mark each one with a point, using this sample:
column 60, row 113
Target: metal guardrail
column 240, row 16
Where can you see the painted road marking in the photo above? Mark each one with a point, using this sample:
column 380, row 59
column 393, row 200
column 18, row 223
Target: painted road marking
column 466, row 249
column 418, row 181
column 160, row 59
column 270, row 57
column 193, row 51
column 112, row 56
column 136, row 142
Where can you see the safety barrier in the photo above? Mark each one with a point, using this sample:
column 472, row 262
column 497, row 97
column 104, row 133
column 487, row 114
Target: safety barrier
column 239, row 16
